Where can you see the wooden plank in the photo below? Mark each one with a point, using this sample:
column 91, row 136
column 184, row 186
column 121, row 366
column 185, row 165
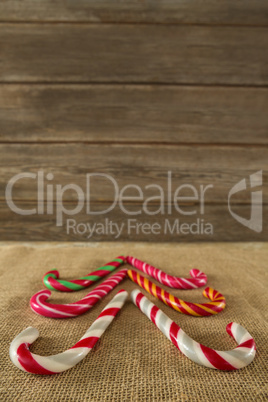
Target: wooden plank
column 133, row 113
column 43, row 227
column 165, row 11
column 133, row 54
column 221, row 166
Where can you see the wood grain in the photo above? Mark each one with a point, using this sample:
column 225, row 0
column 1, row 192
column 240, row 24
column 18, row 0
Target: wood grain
column 43, row 227
column 160, row 11
column 222, row 166
column 132, row 53
column 133, row 90
column 133, row 113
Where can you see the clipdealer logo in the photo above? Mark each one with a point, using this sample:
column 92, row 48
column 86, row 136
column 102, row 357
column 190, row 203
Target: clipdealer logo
column 50, row 200
column 167, row 199
column 255, row 221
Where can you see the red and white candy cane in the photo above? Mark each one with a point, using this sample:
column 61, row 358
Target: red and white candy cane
column 40, row 305
column 234, row 359
column 198, row 278
column 25, row 360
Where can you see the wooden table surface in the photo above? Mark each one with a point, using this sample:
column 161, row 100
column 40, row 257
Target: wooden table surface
column 133, row 89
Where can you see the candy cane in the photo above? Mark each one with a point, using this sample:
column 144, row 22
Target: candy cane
column 198, row 278
column 25, row 360
column 40, row 306
column 234, row 359
column 216, row 305
column 51, row 278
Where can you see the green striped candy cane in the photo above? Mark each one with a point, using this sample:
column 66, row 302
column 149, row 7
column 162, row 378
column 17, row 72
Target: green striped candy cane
column 51, row 278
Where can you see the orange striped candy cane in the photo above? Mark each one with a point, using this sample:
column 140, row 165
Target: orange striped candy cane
column 215, row 306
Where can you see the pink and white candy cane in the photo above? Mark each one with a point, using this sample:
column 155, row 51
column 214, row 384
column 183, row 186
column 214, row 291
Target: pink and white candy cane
column 198, row 278
column 40, row 306
column 25, row 360
column 234, row 359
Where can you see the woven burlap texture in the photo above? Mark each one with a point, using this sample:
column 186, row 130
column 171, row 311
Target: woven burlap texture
column 134, row 361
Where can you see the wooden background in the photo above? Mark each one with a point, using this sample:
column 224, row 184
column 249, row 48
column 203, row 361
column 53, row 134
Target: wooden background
column 133, row 89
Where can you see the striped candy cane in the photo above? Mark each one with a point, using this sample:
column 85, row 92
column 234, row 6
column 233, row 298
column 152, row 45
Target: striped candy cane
column 51, row 279
column 216, row 305
column 40, row 306
column 198, row 278
column 234, row 359
column 25, row 360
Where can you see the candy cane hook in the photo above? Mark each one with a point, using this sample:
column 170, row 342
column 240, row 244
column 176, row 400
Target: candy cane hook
column 40, row 305
column 25, row 360
column 216, row 305
column 234, row 359
column 198, row 278
column 51, row 278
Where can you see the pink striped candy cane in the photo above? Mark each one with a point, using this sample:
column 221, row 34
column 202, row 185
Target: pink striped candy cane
column 40, row 306
column 234, row 359
column 198, row 278
column 25, row 360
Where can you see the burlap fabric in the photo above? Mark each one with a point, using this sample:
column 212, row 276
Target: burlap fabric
column 134, row 361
